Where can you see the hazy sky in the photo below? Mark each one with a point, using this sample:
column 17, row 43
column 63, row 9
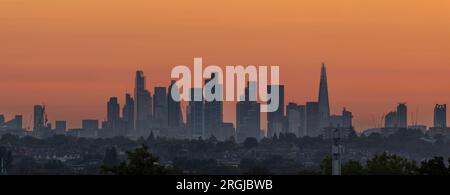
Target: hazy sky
column 72, row 55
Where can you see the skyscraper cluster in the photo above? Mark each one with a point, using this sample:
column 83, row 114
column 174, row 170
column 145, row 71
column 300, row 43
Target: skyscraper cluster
column 159, row 114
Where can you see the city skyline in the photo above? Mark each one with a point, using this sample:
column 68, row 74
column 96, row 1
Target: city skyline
column 378, row 53
column 157, row 113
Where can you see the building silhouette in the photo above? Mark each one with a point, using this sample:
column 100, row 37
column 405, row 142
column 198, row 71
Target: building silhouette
column 294, row 117
column 113, row 114
column 347, row 119
column 402, row 115
column 39, row 118
column 324, row 104
column 248, row 116
column 196, row 115
column 213, row 109
column 128, row 112
column 440, row 116
column 175, row 119
column 390, row 120
column 160, row 108
column 312, row 119
column 275, row 120
column 60, row 127
column 142, row 103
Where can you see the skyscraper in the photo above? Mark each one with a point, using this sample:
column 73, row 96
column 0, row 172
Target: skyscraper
column 128, row 112
column 390, row 120
column 39, row 117
column 213, row 109
column 275, row 120
column 293, row 117
column 175, row 119
column 196, row 115
column 440, row 116
column 160, row 109
column 312, row 119
column 402, row 115
column 142, row 104
column 347, row 119
column 324, row 104
column 248, row 117
column 60, row 127
column 113, row 113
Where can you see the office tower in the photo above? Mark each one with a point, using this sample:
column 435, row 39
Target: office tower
column 390, row 120
column 113, row 114
column 440, row 116
column 90, row 124
column 39, row 117
column 60, row 127
column 275, row 120
column 312, row 119
column 335, row 121
column 142, row 103
column 128, row 112
column 174, row 107
column 213, row 109
column 15, row 123
column 196, row 115
column 160, row 109
column 2, row 119
column 248, row 118
column 402, row 115
column 347, row 119
column 324, row 105
column 302, row 115
column 294, row 120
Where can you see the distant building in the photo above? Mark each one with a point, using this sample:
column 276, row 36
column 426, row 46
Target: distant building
column 175, row 119
column 113, row 114
column 402, row 115
column 160, row 108
column 90, row 124
column 128, row 112
column 294, row 119
column 196, row 115
column 14, row 124
column 61, row 125
column 39, row 118
column 390, row 120
column 347, row 118
column 213, row 109
column 440, row 116
column 323, row 103
column 312, row 119
column 248, row 117
column 275, row 120
column 336, row 121
column 142, row 103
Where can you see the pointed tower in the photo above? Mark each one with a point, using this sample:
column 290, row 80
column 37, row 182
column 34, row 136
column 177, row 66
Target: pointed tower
column 324, row 104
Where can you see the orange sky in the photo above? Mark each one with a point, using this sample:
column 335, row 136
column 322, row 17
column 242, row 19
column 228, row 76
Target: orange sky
column 73, row 55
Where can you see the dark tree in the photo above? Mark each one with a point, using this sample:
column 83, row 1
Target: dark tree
column 435, row 166
column 386, row 164
column 140, row 162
